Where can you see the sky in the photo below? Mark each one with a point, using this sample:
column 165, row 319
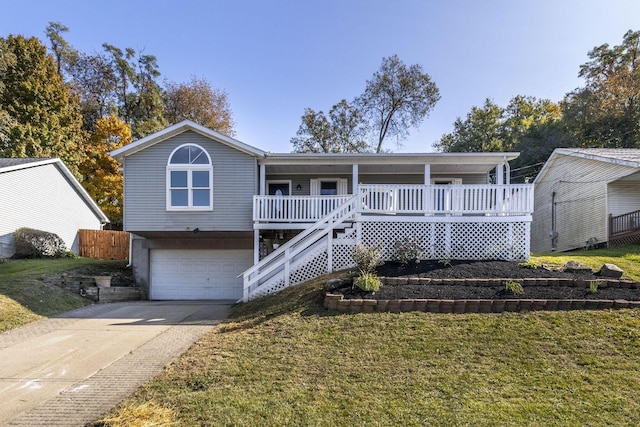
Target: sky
column 274, row 58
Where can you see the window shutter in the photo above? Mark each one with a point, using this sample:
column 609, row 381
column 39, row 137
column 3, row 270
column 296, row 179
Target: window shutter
column 342, row 186
column 314, row 187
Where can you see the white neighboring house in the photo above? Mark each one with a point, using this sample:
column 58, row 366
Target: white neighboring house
column 43, row 194
column 587, row 197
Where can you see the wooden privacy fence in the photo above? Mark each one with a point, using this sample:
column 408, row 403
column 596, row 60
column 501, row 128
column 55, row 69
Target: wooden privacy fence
column 104, row 244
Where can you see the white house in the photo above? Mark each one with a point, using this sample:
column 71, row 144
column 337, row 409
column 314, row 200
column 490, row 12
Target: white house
column 43, row 194
column 215, row 218
column 585, row 198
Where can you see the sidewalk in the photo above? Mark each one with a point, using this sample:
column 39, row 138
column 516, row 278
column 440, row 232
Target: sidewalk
column 69, row 370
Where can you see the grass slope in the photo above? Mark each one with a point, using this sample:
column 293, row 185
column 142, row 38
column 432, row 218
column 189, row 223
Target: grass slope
column 25, row 298
column 284, row 360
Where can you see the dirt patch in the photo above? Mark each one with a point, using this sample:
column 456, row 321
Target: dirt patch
column 577, row 285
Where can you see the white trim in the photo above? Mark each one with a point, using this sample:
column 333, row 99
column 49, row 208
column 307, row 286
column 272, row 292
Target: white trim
column 354, row 178
column 189, row 169
column 177, row 129
column 452, row 180
column 278, row 181
column 341, row 186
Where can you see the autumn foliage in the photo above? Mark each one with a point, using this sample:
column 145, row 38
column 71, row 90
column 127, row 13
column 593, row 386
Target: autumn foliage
column 101, row 175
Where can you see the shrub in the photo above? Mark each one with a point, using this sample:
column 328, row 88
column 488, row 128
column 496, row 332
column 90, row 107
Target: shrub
column 32, row 243
column 406, row 251
column 368, row 282
column 514, row 287
column 367, row 259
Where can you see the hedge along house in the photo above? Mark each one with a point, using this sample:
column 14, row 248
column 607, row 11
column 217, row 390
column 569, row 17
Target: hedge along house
column 215, row 218
column 43, row 194
column 587, row 198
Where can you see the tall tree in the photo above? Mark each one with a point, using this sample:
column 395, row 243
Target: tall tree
column 480, row 131
column 343, row 131
column 139, row 96
column 41, row 116
column 65, row 55
column 199, row 102
column 101, row 175
column 397, row 98
column 606, row 112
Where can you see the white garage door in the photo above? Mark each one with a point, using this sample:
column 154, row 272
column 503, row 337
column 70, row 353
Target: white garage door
column 179, row 274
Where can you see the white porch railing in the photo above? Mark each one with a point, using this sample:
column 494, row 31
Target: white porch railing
column 274, row 271
column 516, row 199
column 295, row 208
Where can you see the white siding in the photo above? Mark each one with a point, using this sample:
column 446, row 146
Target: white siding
column 581, row 202
column 624, row 195
column 234, row 184
column 41, row 197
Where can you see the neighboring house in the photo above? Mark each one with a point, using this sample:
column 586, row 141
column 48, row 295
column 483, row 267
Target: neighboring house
column 43, row 194
column 586, row 198
column 214, row 218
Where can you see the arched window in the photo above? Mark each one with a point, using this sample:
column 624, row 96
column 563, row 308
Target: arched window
column 189, row 179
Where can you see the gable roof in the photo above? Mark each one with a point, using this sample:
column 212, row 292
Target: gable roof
column 184, row 126
column 619, row 156
column 8, row 165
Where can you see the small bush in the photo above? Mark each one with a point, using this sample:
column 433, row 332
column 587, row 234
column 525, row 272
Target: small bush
column 514, row 287
column 367, row 259
column 32, row 243
column 406, row 251
column 367, row 281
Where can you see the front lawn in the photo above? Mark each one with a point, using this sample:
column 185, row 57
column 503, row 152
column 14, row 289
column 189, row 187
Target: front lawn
column 284, row 360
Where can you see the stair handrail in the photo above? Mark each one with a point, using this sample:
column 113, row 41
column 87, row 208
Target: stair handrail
column 291, row 248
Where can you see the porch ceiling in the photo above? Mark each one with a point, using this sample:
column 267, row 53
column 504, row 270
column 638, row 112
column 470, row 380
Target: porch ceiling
column 393, row 163
column 379, row 169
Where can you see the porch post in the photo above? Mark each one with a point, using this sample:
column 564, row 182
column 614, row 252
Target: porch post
column 256, row 246
column 508, row 172
column 500, row 174
column 262, row 179
column 354, row 176
column 427, row 205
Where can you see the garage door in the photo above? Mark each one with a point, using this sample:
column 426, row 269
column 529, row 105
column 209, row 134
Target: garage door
column 178, row 274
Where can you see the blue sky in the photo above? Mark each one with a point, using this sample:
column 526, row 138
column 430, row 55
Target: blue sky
column 275, row 58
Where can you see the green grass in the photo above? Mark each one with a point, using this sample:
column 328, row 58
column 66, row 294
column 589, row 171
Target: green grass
column 625, row 257
column 284, row 360
column 25, row 298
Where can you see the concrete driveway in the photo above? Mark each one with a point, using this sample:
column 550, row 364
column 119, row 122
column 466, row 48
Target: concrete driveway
column 69, row 370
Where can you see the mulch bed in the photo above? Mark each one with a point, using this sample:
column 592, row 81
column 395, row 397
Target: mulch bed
column 576, row 284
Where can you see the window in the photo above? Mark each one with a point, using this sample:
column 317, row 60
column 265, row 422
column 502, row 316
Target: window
column 328, row 188
column 189, row 179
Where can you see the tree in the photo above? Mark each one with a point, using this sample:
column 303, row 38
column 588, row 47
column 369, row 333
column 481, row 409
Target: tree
column 606, row 112
column 65, row 55
column 397, row 98
column 343, row 131
column 138, row 94
column 531, row 126
column 101, row 175
column 39, row 116
column 480, row 131
column 199, row 102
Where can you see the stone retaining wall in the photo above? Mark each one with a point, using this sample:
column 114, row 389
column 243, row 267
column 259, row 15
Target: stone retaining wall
column 337, row 302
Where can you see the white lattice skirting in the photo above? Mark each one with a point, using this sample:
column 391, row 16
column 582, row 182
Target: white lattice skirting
column 507, row 239
column 504, row 239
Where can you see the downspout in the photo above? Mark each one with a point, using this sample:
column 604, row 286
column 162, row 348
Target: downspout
column 130, row 248
column 553, row 234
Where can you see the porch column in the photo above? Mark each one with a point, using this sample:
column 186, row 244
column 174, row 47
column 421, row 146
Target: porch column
column 256, row 246
column 508, row 172
column 262, row 179
column 500, row 174
column 427, row 202
column 354, row 176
